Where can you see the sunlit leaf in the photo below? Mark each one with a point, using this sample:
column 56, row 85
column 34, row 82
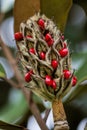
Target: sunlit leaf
column 6, row 126
column 82, row 3
column 23, row 10
column 57, row 9
column 2, row 71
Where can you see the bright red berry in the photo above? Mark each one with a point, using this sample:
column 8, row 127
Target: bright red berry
column 63, row 52
column 54, row 63
column 48, row 37
column 42, row 55
column 67, row 74
column 18, row 36
column 41, row 23
column 48, row 80
column 74, row 80
column 54, row 85
column 31, row 50
column 50, row 42
column 28, row 76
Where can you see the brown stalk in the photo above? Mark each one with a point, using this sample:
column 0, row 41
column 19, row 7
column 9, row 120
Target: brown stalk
column 46, row 114
column 60, row 121
column 11, row 82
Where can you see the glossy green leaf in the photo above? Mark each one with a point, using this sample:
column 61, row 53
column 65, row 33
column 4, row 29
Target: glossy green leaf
column 2, row 71
column 15, row 110
column 80, row 59
column 79, row 99
column 82, row 3
column 81, row 73
column 57, row 9
column 6, row 126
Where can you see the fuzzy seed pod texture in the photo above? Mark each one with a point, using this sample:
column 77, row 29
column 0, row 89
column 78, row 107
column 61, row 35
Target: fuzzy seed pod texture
column 45, row 58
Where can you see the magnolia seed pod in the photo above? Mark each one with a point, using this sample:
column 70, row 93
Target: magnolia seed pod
column 44, row 51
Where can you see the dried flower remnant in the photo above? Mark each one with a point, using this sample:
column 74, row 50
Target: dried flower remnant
column 44, row 50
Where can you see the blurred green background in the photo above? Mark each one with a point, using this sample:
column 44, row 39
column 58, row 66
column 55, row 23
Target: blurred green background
column 13, row 105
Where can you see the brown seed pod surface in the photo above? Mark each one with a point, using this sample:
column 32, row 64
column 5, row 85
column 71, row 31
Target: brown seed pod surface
column 45, row 58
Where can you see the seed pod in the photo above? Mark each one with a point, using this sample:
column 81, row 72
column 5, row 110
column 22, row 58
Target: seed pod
column 44, row 50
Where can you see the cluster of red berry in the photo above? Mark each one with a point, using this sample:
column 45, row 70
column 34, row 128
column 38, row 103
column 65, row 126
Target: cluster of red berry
column 63, row 52
column 54, row 63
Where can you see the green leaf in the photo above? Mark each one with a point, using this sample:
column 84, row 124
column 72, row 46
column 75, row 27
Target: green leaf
column 81, row 74
column 57, row 9
column 2, row 71
column 79, row 99
column 82, row 3
column 6, row 126
column 80, row 59
column 14, row 111
column 53, row 8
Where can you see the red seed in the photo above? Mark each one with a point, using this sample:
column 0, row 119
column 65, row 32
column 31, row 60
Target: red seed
column 48, row 37
column 50, row 42
column 48, row 80
column 74, row 80
column 41, row 23
column 42, row 55
column 31, row 50
column 54, row 85
column 18, row 36
column 54, row 64
column 28, row 76
column 63, row 52
column 67, row 74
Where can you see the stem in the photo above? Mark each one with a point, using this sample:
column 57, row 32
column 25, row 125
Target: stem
column 12, row 62
column 60, row 122
column 36, row 113
column 46, row 114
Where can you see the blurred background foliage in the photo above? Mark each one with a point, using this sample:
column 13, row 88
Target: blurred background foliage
column 13, row 105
